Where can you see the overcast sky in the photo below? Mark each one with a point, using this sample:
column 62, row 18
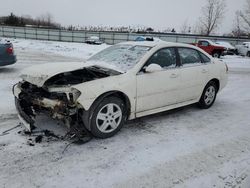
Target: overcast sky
column 161, row 14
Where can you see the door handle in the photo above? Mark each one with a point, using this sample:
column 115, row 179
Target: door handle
column 204, row 71
column 173, row 75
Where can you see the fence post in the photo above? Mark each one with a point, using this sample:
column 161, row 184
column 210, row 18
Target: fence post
column 3, row 31
column 24, row 29
column 113, row 34
column 14, row 33
column 36, row 33
column 60, row 35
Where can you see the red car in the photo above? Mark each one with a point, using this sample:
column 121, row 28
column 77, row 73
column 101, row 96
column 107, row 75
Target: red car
column 211, row 48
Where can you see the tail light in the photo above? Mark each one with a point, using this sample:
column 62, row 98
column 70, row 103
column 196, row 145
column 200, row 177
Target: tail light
column 10, row 50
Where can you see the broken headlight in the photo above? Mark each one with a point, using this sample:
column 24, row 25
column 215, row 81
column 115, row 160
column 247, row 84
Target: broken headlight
column 72, row 94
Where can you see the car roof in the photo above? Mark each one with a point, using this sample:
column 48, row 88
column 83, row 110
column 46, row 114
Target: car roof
column 157, row 43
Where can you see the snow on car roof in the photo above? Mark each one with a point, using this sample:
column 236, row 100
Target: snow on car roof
column 154, row 43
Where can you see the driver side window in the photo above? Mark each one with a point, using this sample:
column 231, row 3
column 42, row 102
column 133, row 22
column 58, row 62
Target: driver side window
column 166, row 58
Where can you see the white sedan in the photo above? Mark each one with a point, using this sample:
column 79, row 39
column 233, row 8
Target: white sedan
column 123, row 82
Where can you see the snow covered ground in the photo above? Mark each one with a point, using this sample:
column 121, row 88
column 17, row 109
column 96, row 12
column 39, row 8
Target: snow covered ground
column 183, row 148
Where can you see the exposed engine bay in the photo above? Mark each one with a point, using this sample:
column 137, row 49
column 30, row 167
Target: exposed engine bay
column 80, row 76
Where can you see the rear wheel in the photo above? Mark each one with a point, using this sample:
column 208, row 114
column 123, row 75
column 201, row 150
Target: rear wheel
column 208, row 96
column 108, row 117
column 248, row 54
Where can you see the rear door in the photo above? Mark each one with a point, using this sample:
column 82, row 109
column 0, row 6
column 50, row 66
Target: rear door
column 194, row 74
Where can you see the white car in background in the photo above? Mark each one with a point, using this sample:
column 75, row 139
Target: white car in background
column 230, row 49
column 243, row 49
column 123, row 82
column 94, row 40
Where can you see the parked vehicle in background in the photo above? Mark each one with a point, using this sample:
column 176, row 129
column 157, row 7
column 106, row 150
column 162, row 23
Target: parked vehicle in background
column 94, row 40
column 142, row 38
column 230, row 49
column 125, row 81
column 243, row 49
column 7, row 56
column 210, row 47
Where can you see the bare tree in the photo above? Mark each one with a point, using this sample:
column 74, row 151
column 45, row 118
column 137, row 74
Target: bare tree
column 49, row 18
column 185, row 27
column 237, row 28
column 245, row 16
column 212, row 15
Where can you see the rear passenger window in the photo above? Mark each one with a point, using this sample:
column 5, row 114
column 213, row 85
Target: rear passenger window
column 166, row 58
column 204, row 58
column 189, row 57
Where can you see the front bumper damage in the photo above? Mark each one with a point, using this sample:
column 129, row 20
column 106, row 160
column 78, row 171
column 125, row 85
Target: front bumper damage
column 31, row 101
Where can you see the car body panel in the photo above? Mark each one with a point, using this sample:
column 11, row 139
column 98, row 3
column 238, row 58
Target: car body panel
column 192, row 84
column 90, row 91
column 157, row 89
column 39, row 74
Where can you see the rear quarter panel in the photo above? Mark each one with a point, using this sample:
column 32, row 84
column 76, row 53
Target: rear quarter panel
column 218, row 71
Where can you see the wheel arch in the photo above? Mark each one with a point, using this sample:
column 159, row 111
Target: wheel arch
column 86, row 114
column 118, row 94
column 217, row 82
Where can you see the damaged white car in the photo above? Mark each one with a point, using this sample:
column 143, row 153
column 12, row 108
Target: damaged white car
column 123, row 82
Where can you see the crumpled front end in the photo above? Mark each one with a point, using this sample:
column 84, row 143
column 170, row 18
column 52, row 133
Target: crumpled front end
column 32, row 100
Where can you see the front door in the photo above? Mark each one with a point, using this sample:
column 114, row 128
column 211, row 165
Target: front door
column 161, row 88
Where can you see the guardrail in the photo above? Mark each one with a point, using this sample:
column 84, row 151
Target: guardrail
column 109, row 37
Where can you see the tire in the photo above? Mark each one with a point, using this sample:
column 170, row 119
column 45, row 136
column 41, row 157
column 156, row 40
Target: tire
column 216, row 54
column 108, row 117
column 208, row 96
column 248, row 54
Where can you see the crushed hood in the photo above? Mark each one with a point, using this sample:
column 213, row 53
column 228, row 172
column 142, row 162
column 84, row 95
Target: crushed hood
column 39, row 74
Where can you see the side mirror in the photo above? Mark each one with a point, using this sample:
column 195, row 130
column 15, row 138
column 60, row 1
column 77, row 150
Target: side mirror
column 153, row 68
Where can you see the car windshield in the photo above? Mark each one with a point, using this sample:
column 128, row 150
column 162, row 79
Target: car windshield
column 121, row 57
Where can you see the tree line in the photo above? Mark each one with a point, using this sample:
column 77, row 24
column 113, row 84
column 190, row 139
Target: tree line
column 45, row 21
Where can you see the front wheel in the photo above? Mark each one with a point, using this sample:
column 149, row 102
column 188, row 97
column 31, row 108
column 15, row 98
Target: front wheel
column 108, row 117
column 208, row 96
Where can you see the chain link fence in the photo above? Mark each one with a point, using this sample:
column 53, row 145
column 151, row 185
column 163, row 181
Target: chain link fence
column 109, row 37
